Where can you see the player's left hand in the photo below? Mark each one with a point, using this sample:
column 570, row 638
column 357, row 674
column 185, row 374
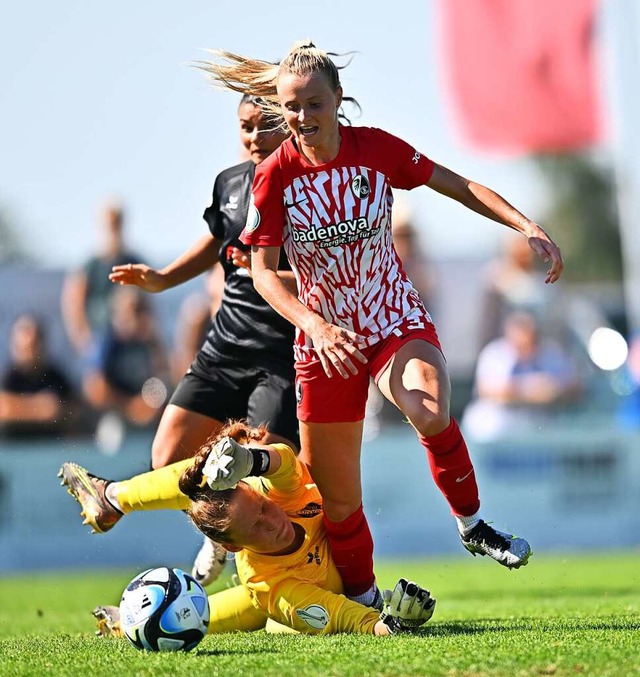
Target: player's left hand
column 240, row 258
column 227, row 464
column 407, row 606
column 548, row 251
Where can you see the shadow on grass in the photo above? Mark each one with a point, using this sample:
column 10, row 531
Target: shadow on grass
column 244, row 651
column 495, row 625
column 549, row 592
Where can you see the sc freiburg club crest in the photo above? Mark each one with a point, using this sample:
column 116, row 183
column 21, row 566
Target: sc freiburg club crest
column 360, row 186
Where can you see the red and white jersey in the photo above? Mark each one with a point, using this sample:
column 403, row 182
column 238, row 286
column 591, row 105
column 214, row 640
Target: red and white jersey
column 334, row 221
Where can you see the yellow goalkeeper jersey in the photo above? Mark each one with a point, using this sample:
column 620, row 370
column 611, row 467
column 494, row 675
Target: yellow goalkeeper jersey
column 301, row 590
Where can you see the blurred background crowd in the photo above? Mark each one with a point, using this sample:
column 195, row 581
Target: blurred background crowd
column 85, row 357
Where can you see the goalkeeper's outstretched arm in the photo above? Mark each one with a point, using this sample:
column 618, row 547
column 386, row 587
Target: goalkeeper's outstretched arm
column 307, row 608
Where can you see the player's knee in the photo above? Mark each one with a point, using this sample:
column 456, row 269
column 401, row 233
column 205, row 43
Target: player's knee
column 338, row 511
column 429, row 423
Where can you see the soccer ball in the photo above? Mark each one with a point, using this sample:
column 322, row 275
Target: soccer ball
column 164, row 610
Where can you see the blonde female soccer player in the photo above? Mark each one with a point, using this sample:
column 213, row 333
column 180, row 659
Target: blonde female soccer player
column 325, row 196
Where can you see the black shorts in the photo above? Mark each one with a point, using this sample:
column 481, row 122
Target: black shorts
column 262, row 395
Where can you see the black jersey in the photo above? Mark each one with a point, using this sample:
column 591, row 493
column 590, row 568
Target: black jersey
column 245, row 328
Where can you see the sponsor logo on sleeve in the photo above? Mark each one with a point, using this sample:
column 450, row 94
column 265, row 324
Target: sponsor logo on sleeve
column 314, row 615
column 253, row 217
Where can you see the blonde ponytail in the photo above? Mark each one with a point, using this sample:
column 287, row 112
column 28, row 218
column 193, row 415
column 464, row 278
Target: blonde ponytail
column 259, row 78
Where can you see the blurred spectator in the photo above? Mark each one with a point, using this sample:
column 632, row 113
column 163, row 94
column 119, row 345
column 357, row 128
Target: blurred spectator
column 407, row 243
column 629, row 412
column 194, row 318
column 512, row 282
column 86, row 293
column 36, row 397
column 128, row 366
column 521, row 381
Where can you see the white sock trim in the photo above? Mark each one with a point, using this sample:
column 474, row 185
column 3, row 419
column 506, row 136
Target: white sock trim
column 112, row 497
column 366, row 598
column 467, row 522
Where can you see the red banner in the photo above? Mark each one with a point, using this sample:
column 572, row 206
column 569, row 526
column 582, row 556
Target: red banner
column 522, row 72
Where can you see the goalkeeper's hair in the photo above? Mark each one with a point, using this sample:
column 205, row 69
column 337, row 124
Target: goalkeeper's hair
column 209, row 510
column 259, row 79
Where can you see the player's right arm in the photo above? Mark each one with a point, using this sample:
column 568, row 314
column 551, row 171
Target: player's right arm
column 336, row 347
column 201, row 256
column 242, row 259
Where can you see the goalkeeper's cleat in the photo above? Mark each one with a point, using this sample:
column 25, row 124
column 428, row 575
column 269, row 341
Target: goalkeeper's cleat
column 90, row 492
column 108, row 621
column 505, row 549
column 209, row 562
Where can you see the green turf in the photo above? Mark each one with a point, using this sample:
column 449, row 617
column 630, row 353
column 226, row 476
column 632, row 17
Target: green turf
column 566, row 615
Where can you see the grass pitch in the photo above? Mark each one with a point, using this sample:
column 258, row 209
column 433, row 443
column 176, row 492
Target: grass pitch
column 575, row 614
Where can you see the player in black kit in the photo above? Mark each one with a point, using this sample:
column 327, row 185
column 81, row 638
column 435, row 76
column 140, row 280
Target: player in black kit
column 245, row 366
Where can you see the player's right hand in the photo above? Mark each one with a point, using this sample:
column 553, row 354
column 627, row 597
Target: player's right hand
column 407, row 606
column 228, row 463
column 139, row 275
column 336, row 348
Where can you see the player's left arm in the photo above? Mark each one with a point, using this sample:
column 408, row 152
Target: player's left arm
column 486, row 202
column 307, row 608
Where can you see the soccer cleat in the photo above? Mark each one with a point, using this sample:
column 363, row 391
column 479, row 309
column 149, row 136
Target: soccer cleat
column 506, row 549
column 108, row 621
column 209, row 562
column 89, row 491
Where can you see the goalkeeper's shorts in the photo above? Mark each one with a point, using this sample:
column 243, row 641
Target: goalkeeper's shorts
column 322, row 399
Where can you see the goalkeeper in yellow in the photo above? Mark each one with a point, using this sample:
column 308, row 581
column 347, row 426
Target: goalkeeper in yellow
column 261, row 503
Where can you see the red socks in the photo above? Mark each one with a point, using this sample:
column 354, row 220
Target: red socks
column 352, row 551
column 452, row 469
column 350, row 540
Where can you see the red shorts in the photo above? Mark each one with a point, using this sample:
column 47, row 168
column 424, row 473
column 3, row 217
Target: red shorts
column 342, row 400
